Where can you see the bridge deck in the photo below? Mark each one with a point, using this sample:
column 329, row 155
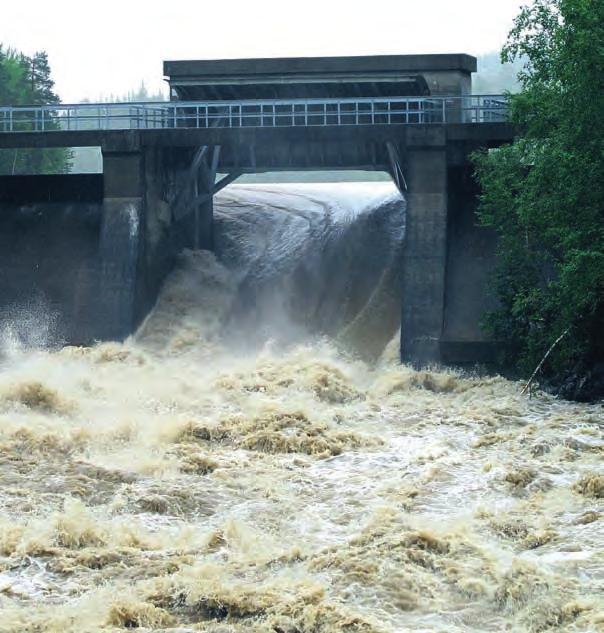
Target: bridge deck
column 476, row 134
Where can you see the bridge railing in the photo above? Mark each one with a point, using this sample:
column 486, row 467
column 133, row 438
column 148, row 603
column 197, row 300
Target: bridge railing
column 263, row 113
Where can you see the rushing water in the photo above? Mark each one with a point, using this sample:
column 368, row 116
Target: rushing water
column 255, row 459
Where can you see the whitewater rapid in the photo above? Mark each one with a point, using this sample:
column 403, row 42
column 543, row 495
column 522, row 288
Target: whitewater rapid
column 255, row 458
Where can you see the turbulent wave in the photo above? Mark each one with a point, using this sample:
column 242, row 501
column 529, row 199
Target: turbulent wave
column 255, row 458
column 314, row 259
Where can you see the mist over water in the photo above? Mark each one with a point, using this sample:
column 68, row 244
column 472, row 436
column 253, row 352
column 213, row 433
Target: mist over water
column 34, row 325
column 255, row 458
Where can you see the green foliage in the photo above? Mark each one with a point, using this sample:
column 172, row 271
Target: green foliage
column 544, row 194
column 27, row 81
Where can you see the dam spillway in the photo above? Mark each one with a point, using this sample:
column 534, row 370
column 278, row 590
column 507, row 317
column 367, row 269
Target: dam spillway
column 412, row 117
column 211, row 473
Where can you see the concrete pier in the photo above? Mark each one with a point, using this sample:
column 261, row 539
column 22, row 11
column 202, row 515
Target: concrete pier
column 425, row 252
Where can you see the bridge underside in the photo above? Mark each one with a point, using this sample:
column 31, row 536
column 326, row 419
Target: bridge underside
column 157, row 198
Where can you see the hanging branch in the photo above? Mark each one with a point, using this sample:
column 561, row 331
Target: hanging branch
column 549, row 351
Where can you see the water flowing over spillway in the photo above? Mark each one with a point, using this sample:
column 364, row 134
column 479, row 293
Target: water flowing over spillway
column 255, row 458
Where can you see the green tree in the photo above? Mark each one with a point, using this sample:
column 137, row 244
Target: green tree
column 544, row 194
column 27, row 81
column 41, row 85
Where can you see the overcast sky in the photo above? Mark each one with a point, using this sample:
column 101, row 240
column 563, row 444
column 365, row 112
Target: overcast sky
column 109, row 46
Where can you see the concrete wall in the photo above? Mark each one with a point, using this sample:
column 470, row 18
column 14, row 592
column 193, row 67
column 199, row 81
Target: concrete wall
column 53, row 187
column 72, row 262
column 470, row 263
column 49, row 271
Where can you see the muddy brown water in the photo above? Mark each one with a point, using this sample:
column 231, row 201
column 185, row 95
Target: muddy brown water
column 229, row 469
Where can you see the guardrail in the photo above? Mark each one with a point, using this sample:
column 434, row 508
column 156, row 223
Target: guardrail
column 265, row 113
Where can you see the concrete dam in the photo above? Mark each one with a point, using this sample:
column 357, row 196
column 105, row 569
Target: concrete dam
column 90, row 252
column 230, row 443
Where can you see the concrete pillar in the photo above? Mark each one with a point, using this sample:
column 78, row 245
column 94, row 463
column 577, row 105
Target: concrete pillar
column 119, row 244
column 425, row 252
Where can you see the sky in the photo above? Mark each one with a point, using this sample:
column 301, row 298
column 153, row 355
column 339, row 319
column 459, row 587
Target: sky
column 108, row 47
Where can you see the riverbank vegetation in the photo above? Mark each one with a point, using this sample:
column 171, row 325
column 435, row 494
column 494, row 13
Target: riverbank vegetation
column 26, row 80
column 544, row 195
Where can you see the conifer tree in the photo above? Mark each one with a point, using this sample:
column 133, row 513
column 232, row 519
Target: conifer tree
column 27, row 81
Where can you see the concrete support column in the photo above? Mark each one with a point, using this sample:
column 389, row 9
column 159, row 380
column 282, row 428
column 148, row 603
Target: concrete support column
column 425, row 254
column 119, row 244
